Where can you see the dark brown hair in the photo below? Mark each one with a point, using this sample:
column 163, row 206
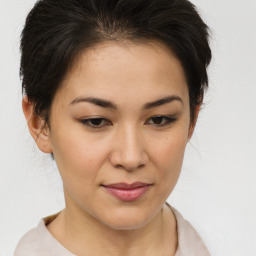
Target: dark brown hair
column 57, row 31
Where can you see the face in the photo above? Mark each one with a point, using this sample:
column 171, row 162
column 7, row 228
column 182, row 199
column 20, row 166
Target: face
column 119, row 126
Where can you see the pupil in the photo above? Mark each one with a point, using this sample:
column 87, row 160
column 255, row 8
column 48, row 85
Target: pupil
column 157, row 119
column 96, row 121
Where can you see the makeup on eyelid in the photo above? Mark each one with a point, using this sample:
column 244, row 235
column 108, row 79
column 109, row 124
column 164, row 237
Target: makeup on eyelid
column 156, row 120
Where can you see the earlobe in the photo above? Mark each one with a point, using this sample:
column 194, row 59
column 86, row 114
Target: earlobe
column 37, row 127
column 193, row 123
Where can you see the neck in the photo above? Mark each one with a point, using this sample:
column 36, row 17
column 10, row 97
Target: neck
column 83, row 235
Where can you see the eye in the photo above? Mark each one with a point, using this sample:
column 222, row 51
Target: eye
column 161, row 120
column 97, row 122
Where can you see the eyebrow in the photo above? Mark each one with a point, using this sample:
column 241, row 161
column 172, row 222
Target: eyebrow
column 162, row 101
column 95, row 101
column 108, row 104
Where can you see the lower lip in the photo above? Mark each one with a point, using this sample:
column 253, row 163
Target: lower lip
column 127, row 195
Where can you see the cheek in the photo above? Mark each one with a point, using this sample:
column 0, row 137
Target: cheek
column 168, row 157
column 79, row 164
column 77, row 157
column 170, row 149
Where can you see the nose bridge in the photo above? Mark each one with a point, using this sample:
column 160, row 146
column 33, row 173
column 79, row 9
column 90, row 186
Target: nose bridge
column 130, row 152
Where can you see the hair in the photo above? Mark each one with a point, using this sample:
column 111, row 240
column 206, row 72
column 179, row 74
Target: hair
column 57, row 31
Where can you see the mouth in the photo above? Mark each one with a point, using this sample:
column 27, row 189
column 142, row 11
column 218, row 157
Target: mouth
column 127, row 192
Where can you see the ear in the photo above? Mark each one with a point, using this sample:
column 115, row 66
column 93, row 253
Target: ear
column 193, row 122
column 37, row 127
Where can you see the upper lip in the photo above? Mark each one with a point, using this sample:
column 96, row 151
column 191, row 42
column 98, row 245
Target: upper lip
column 127, row 186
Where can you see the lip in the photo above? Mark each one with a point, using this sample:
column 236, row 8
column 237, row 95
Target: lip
column 127, row 192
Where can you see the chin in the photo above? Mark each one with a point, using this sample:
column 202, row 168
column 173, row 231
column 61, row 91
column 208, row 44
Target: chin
column 128, row 225
column 128, row 221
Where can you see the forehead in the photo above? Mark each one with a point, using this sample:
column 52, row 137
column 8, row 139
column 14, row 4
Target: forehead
column 126, row 69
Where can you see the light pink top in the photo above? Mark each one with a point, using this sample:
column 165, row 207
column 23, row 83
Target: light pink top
column 40, row 242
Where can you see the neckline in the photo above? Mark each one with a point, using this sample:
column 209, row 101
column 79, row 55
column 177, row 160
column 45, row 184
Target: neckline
column 52, row 242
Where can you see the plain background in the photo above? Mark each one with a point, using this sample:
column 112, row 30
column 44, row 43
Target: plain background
column 216, row 191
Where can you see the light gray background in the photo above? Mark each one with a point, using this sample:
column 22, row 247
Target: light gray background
column 216, row 191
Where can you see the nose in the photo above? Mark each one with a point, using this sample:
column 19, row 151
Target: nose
column 129, row 151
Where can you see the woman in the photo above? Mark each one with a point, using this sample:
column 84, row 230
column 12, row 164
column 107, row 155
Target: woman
column 112, row 91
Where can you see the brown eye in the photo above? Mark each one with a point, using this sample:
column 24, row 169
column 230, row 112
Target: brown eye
column 161, row 120
column 95, row 122
column 158, row 120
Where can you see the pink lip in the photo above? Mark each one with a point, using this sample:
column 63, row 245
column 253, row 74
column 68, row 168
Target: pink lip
column 127, row 192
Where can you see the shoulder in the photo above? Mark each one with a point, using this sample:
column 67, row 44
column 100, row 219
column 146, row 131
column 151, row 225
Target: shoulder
column 189, row 241
column 30, row 243
column 40, row 242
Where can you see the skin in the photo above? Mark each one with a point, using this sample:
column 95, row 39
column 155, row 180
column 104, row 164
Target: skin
column 127, row 144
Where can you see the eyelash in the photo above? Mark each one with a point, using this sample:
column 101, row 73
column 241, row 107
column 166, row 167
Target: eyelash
column 102, row 122
column 88, row 122
column 168, row 120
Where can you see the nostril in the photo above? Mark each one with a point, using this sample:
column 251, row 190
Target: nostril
column 119, row 166
column 129, row 168
column 141, row 166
